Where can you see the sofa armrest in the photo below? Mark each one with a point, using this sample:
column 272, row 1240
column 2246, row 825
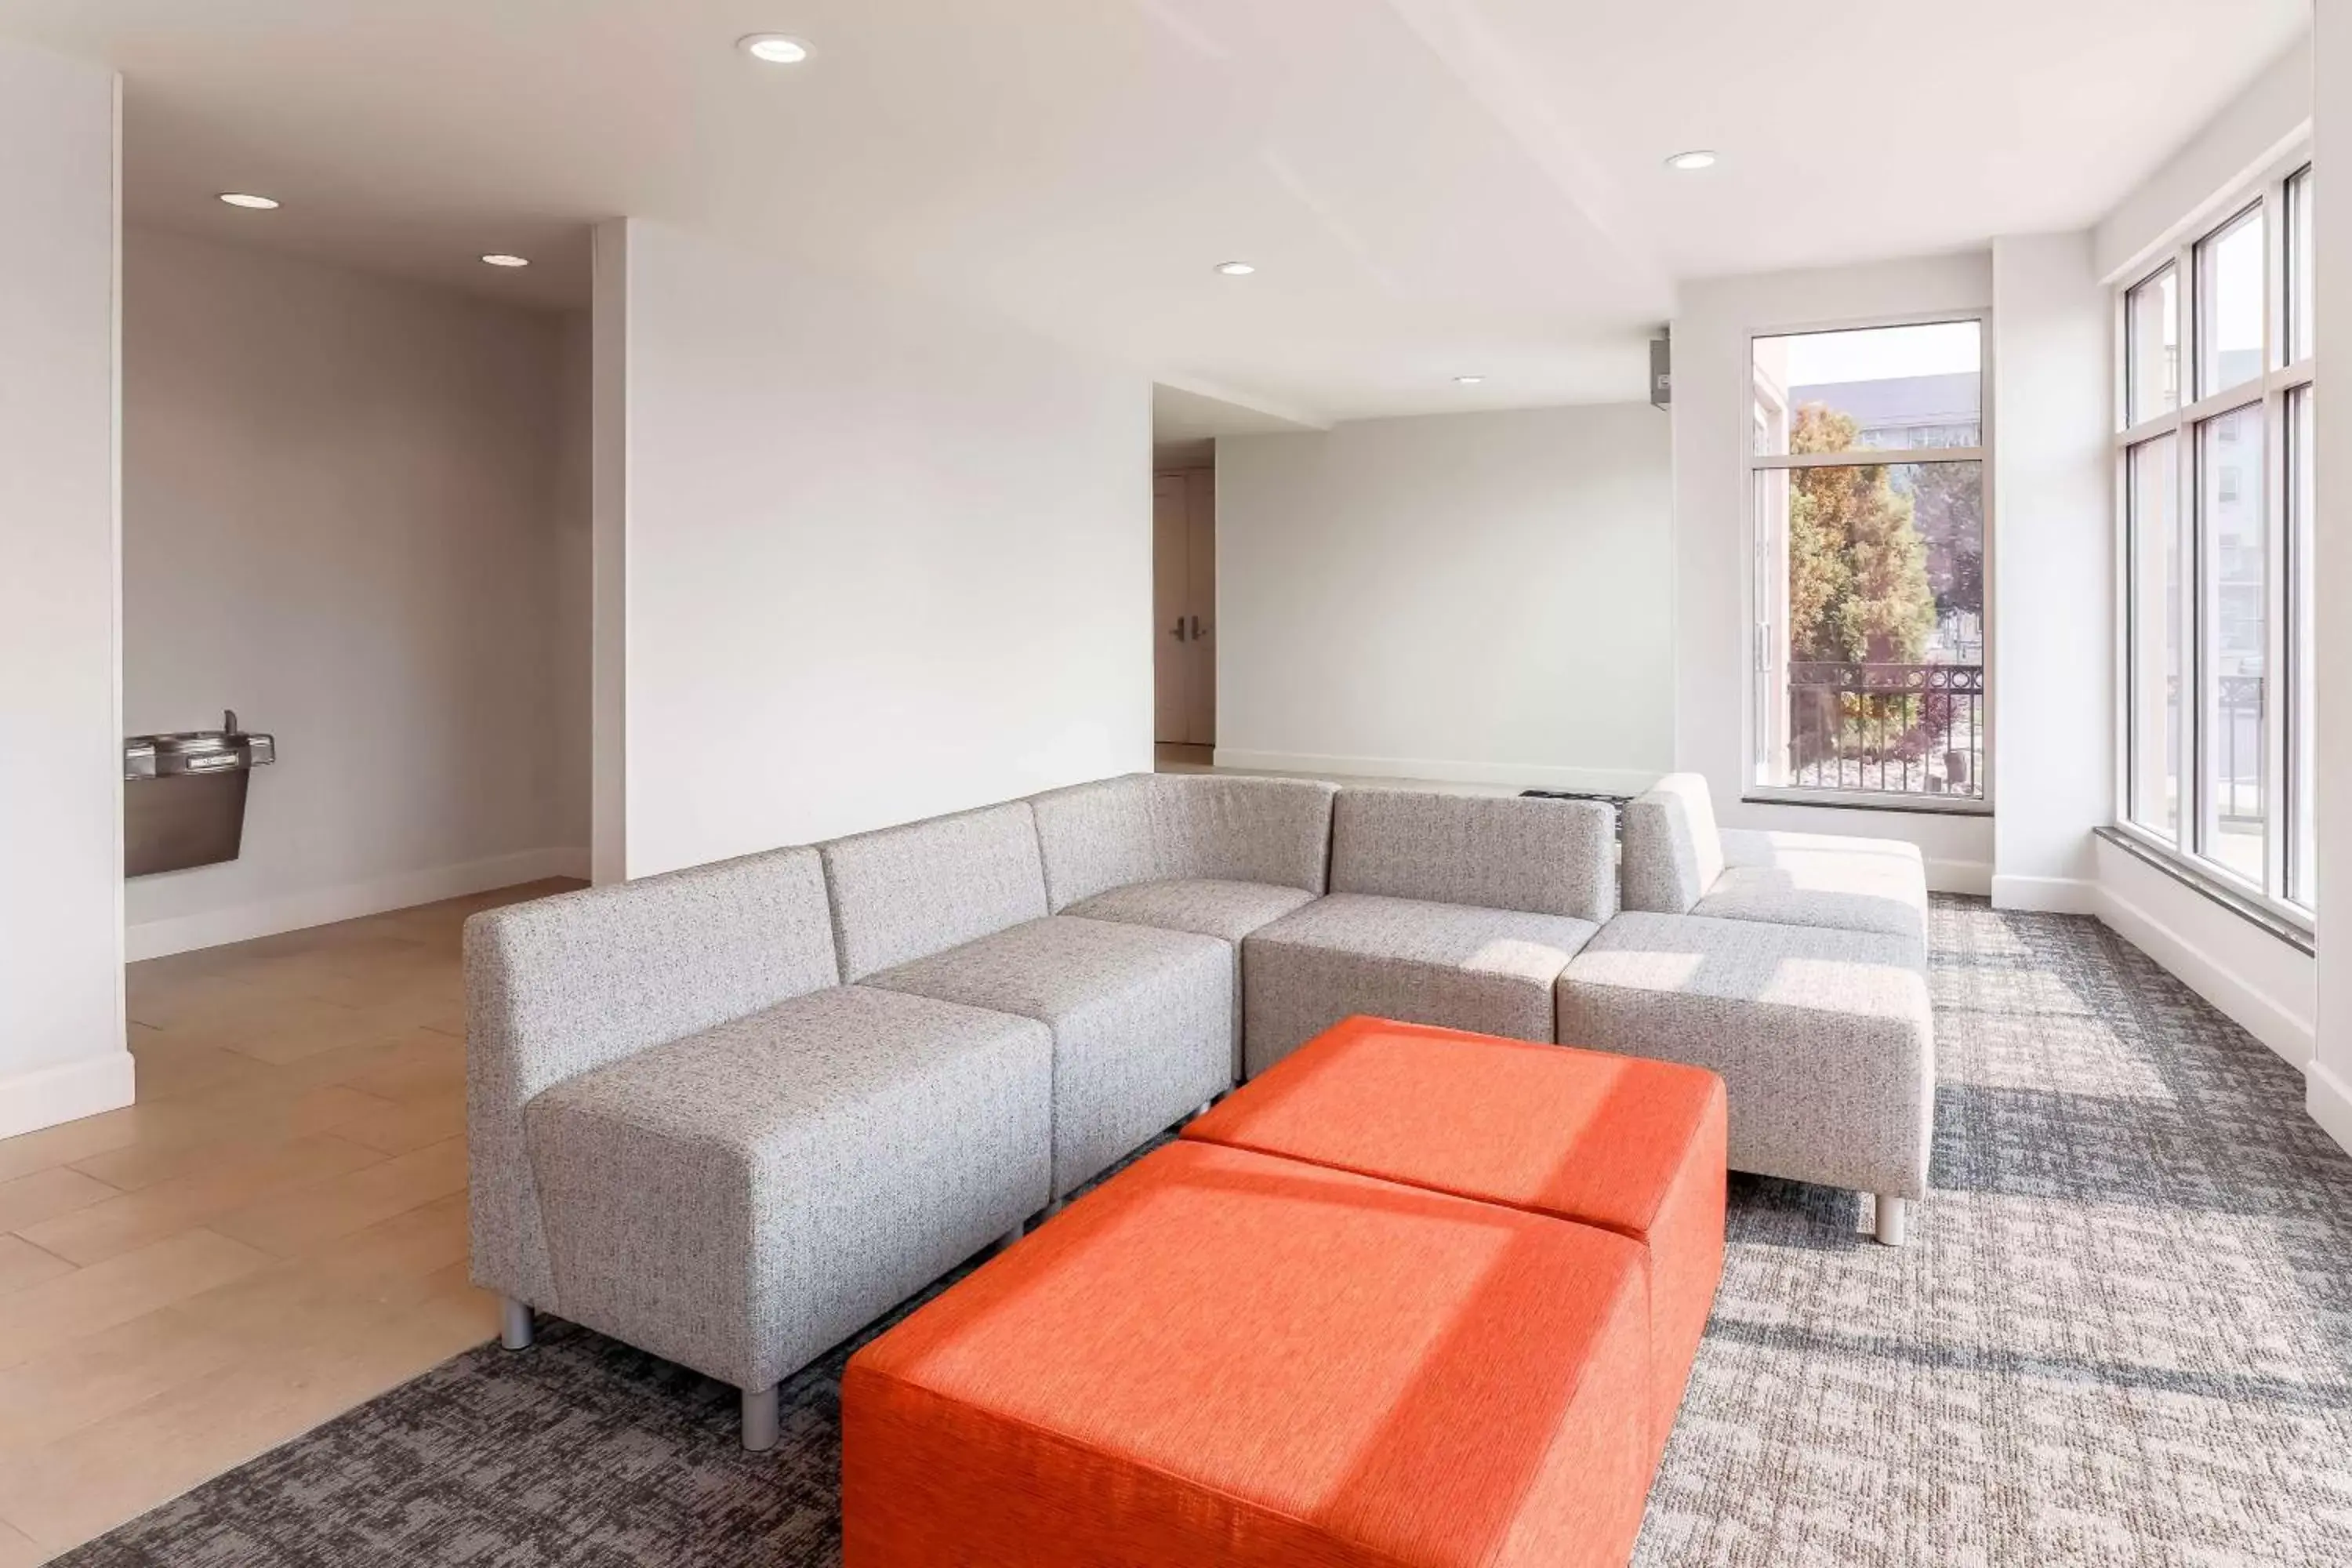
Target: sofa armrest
column 1753, row 847
column 1672, row 852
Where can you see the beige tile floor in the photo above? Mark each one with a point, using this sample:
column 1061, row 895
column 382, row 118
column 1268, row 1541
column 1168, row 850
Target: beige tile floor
column 274, row 1233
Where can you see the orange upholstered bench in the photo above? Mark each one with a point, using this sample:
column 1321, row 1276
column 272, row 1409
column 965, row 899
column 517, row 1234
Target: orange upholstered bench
column 1221, row 1357
column 1633, row 1146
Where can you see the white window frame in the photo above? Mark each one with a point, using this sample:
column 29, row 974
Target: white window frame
column 2272, row 391
column 1763, row 596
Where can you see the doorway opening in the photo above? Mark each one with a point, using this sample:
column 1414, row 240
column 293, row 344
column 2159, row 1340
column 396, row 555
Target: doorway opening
column 1184, row 611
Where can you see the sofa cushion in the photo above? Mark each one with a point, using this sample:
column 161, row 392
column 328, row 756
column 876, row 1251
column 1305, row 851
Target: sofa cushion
column 907, row 892
column 559, row 986
column 740, row 1200
column 1818, row 880
column 1496, row 852
column 1825, row 1037
column 1220, row 1357
column 1673, row 852
column 1227, row 910
column 1157, row 827
column 1488, row 971
column 1141, row 1018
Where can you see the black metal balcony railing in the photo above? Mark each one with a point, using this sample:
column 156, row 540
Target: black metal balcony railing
column 2237, row 748
column 1898, row 729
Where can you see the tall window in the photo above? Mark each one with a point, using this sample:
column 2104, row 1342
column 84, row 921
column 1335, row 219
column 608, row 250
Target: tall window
column 1867, row 476
column 2214, row 461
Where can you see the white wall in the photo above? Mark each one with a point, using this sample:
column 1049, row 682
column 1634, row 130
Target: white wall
column 1474, row 596
column 2252, row 132
column 2052, row 570
column 1714, row 320
column 2331, row 1073
column 61, row 1041
column 340, row 500
column 608, row 347
column 2262, row 984
column 883, row 559
column 573, row 582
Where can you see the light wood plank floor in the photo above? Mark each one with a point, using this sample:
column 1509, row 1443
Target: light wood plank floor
column 273, row 1233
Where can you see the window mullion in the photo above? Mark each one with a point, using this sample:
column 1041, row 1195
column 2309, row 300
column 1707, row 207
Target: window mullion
column 2125, row 574
column 2278, row 713
column 2148, row 429
column 2187, row 809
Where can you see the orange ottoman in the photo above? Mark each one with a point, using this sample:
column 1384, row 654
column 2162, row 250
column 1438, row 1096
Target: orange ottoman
column 1222, row 1358
column 1633, row 1146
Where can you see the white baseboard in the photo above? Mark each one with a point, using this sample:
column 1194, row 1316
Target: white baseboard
column 2047, row 895
column 2240, row 1000
column 66, row 1093
column 1512, row 776
column 324, row 906
column 2328, row 1099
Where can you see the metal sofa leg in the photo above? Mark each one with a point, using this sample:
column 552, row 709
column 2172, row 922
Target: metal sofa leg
column 1020, row 1227
column 514, row 1323
column 761, row 1422
column 1893, row 1219
column 1054, row 1207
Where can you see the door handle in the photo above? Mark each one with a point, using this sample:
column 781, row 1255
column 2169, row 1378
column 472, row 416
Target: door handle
column 1196, row 628
column 1179, row 632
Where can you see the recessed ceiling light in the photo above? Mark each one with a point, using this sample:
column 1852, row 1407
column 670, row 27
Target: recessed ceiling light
column 245, row 199
column 500, row 258
column 1469, row 380
column 1697, row 158
column 1235, row 269
column 774, row 49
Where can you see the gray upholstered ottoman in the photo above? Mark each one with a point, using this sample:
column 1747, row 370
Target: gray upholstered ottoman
column 1824, row 1038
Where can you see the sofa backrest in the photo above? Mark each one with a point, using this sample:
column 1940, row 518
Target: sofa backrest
column 903, row 893
column 1498, row 852
column 1673, row 853
column 563, row 985
column 1152, row 827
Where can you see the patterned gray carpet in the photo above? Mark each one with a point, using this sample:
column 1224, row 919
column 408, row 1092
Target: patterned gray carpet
column 2122, row 1334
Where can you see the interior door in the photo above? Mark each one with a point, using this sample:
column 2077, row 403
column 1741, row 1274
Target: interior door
column 1172, row 573
column 1183, row 607
column 1201, row 608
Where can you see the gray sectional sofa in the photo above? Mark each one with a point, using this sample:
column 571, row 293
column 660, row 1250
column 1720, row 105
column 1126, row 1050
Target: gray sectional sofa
column 1794, row 964
column 730, row 1115
column 955, row 909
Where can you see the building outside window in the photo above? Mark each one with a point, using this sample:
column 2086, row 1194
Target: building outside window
column 1868, row 527
column 2215, row 485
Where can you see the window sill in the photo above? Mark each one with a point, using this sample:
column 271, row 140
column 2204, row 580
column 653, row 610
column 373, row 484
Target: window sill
column 2188, row 875
column 1843, row 800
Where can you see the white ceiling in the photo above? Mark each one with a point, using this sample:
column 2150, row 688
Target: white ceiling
column 1428, row 187
column 1180, row 413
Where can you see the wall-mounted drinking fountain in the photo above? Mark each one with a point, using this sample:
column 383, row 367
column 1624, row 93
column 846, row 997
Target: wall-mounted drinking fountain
column 184, row 796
